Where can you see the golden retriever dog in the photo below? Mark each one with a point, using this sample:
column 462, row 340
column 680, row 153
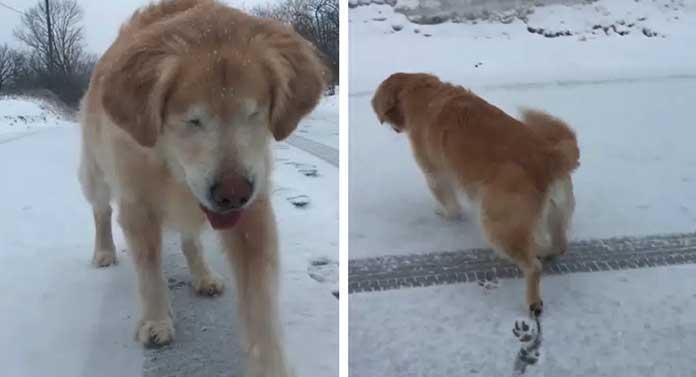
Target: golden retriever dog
column 516, row 174
column 176, row 132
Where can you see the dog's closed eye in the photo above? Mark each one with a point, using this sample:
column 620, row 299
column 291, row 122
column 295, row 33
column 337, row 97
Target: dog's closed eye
column 195, row 122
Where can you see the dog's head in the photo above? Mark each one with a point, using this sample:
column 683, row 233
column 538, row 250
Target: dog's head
column 210, row 94
column 388, row 101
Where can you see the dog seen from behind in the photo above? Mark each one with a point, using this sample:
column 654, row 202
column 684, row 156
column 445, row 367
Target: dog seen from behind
column 516, row 173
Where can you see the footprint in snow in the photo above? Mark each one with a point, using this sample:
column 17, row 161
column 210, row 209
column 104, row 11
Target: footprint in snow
column 305, row 169
column 323, row 270
column 529, row 335
column 299, row 201
column 489, row 284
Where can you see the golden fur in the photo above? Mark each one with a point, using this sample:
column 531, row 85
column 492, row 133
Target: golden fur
column 190, row 95
column 518, row 173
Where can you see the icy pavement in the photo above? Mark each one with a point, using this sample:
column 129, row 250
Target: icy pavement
column 325, row 152
column 64, row 318
column 318, row 132
column 60, row 316
column 321, row 126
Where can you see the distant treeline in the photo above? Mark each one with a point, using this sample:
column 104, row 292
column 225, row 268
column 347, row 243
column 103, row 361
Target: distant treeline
column 316, row 20
column 58, row 62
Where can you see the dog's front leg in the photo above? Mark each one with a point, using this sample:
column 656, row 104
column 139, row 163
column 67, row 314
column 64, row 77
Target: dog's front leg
column 252, row 250
column 445, row 193
column 143, row 231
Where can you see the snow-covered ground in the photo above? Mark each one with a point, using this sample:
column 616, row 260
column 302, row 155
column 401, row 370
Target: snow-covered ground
column 630, row 98
column 62, row 317
column 607, row 324
column 21, row 114
column 491, row 53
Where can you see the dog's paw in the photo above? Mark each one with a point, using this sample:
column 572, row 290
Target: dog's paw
column 450, row 215
column 208, row 285
column 268, row 363
column 257, row 368
column 104, row 258
column 536, row 309
column 153, row 334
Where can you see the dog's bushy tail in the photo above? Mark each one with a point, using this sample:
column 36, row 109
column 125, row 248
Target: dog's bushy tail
column 558, row 134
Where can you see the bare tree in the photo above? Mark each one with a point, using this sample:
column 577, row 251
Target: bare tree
column 316, row 20
column 57, row 62
column 21, row 76
column 5, row 66
column 68, row 36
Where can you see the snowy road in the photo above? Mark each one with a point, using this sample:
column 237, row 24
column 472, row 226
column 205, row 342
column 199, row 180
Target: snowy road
column 65, row 318
column 325, row 152
column 484, row 266
column 637, row 178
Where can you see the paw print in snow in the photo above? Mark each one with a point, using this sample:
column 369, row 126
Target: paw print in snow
column 524, row 332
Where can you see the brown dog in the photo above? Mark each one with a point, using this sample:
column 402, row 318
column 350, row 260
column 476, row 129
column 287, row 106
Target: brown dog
column 176, row 130
column 516, row 173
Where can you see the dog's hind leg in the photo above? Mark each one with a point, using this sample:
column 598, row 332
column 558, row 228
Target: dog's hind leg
column 98, row 194
column 204, row 280
column 553, row 226
column 252, row 249
column 521, row 252
column 508, row 218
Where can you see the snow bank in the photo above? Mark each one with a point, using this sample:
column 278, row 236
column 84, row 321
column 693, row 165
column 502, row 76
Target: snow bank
column 608, row 39
column 23, row 114
column 439, row 11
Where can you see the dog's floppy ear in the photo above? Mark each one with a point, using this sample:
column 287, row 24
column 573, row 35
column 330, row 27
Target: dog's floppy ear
column 299, row 79
column 134, row 88
column 385, row 101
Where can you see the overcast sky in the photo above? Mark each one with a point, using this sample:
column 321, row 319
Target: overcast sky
column 101, row 21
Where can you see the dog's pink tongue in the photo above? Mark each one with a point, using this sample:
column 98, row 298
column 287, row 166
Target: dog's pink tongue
column 220, row 220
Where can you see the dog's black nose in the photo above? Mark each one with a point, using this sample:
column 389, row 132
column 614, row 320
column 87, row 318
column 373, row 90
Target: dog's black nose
column 231, row 192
